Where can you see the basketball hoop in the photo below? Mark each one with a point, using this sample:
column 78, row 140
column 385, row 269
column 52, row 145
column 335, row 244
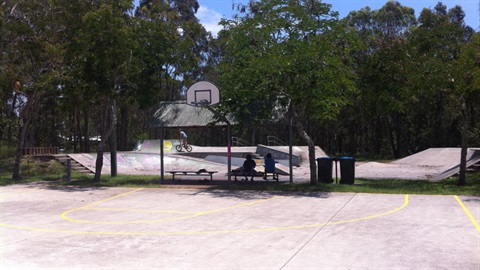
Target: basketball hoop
column 203, row 94
column 201, row 103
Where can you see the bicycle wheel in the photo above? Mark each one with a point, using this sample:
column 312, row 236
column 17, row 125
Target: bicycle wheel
column 188, row 147
column 179, row 148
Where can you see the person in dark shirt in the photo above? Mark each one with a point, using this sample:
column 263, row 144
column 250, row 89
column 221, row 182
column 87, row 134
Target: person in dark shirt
column 249, row 167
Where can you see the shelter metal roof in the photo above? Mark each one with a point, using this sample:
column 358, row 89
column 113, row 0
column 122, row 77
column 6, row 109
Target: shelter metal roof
column 180, row 114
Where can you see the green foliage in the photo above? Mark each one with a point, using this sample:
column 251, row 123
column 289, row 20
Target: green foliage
column 29, row 165
column 410, row 83
column 142, row 136
column 287, row 56
column 6, row 152
column 271, row 60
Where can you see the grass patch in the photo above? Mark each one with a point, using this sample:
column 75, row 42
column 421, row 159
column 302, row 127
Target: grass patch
column 387, row 186
column 32, row 170
column 35, row 170
column 118, row 181
column 384, row 186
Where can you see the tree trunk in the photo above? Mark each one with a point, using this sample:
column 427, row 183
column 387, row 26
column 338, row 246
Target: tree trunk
column 391, row 136
column 76, row 133
column 29, row 115
column 463, row 153
column 18, row 152
column 99, row 161
column 11, row 116
column 109, row 117
column 311, row 150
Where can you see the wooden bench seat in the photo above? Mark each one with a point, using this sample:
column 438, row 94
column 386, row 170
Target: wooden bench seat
column 193, row 173
column 239, row 172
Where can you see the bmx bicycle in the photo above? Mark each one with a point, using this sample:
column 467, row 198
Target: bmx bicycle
column 187, row 147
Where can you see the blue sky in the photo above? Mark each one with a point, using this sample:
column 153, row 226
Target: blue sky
column 211, row 11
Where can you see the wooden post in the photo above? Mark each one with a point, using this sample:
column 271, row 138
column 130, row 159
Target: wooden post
column 69, row 169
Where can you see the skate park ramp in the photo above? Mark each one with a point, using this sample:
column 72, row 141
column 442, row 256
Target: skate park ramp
column 145, row 159
column 433, row 164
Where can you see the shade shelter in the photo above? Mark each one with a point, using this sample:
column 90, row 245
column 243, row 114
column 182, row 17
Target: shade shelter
column 170, row 115
column 181, row 115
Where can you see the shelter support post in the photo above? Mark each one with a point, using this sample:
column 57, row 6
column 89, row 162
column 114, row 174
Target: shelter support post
column 162, row 168
column 113, row 144
column 290, row 150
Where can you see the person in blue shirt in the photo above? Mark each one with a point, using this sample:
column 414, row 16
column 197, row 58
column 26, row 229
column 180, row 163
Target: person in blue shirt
column 269, row 166
column 183, row 137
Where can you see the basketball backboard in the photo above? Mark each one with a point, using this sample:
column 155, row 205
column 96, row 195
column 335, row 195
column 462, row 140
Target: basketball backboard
column 203, row 94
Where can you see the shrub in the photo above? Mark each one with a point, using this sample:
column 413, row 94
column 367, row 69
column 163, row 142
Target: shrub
column 7, row 151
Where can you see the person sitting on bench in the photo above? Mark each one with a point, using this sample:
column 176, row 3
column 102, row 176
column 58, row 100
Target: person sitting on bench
column 269, row 166
column 249, row 167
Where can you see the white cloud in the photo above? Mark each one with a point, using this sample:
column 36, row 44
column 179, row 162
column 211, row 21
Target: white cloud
column 209, row 18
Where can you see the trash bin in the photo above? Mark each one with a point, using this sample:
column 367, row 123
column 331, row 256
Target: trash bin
column 325, row 169
column 347, row 170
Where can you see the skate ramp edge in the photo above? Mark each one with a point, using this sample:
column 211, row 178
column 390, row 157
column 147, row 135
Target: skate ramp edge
column 153, row 146
column 473, row 157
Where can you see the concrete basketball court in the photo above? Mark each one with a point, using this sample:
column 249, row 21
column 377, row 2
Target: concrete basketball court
column 48, row 227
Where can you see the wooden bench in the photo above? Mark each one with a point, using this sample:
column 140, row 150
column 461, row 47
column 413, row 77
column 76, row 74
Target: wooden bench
column 239, row 172
column 194, row 173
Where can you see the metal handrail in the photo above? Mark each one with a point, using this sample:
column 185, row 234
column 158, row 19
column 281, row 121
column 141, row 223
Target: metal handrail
column 236, row 141
column 274, row 141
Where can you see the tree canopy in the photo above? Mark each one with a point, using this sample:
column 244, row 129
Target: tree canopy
column 291, row 54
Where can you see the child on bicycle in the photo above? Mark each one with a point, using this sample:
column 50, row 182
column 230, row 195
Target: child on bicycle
column 183, row 137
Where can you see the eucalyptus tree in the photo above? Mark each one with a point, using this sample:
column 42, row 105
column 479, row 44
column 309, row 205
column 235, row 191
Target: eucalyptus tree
column 33, row 58
column 8, row 97
column 291, row 55
column 171, row 46
column 383, row 66
column 466, row 91
column 101, row 52
column 440, row 75
column 76, row 99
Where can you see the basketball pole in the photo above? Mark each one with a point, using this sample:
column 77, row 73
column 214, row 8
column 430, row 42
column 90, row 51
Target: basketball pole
column 162, row 154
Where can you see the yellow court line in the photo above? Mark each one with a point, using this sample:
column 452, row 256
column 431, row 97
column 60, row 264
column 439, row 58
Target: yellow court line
column 140, row 210
column 64, row 214
column 212, row 232
column 472, row 219
column 193, row 214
